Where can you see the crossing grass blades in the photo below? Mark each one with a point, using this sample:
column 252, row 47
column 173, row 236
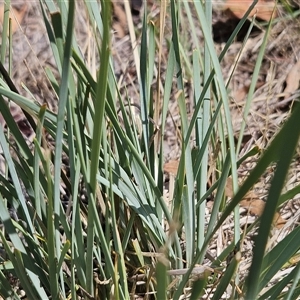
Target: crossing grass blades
column 117, row 237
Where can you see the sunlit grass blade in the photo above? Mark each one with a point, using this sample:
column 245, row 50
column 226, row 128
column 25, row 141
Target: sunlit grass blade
column 6, row 290
column 227, row 277
column 288, row 139
column 15, row 180
column 276, row 290
column 122, row 287
column 144, row 88
column 85, row 205
column 272, row 153
column 161, row 277
column 27, row 105
column 15, row 257
column 219, row 196
column 198, row 287
column 289, row 195
column 185, row 170
column 65, row 55
column 252, row 87
column 5, row 31
column 39, row 205
column 278, row 256
column 99, row 122
column 220, row 81
column 14, row 130
column 189, row 225
column 294, row 290
column 50, row 31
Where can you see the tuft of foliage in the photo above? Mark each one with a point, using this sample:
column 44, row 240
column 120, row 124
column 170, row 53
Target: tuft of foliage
column 100, row 225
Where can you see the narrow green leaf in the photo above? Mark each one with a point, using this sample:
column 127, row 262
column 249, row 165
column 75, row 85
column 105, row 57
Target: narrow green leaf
column 6, row 290
column 198, row 288
column 227, row 277
column 162, row 277
column 274, row 291
column 278, row 256
column 285, row 152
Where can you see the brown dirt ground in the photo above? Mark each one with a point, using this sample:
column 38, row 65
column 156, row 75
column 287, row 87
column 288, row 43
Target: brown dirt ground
column 276, row 90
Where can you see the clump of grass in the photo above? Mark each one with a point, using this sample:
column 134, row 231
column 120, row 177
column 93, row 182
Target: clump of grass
column 110, row 235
